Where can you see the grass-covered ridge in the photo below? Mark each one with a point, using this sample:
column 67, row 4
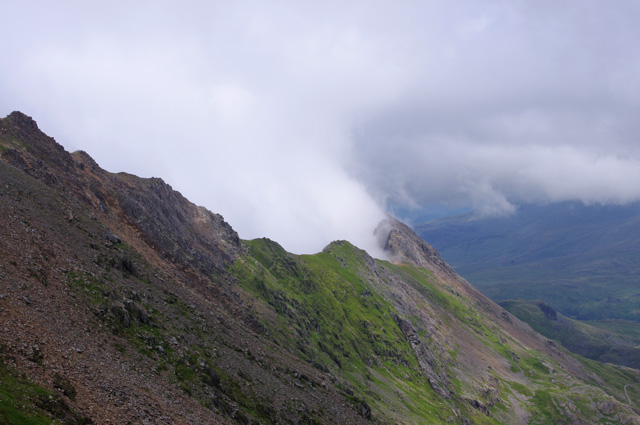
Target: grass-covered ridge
column 335, row 320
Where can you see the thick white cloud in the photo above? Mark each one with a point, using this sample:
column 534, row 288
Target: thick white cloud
column 520, row 101
column 299, row 120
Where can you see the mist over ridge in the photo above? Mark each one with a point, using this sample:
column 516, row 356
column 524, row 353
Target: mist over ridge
column 304, row 122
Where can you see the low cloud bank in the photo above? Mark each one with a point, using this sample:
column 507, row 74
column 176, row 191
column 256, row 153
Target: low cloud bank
column 301, row 121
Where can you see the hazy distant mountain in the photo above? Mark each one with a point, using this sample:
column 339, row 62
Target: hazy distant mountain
column 582, row 260
column 123, row 302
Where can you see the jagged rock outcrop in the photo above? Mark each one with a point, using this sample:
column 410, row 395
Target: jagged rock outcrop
column 189, row 235
column 406, row 247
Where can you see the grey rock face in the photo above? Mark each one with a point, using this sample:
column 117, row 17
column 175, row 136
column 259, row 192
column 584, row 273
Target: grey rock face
column 405, row 246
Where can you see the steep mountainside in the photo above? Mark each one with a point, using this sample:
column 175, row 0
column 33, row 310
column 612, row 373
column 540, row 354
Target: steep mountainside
column 122, row 302
column 582, row 260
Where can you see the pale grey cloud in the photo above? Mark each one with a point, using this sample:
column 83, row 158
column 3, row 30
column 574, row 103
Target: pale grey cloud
column 299, row 120
column 531, row 101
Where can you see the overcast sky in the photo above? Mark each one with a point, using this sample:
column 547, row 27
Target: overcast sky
column 304, row 121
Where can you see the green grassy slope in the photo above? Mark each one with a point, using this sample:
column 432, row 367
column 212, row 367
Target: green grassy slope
column 329, row 316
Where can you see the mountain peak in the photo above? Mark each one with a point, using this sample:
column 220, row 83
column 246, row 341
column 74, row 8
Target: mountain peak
column 22, row 120
column 406, row 247
column 44, row 153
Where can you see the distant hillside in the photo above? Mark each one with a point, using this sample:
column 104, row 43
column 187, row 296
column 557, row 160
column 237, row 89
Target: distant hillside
column 122, row 302
column 582, row 260
column 587, row 340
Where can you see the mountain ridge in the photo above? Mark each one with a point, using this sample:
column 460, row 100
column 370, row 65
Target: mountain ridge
column 132, row 304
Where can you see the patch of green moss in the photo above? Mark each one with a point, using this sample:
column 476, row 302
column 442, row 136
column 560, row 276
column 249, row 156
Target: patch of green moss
column 23, row 402
column 519, row 388
column 184, row 372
